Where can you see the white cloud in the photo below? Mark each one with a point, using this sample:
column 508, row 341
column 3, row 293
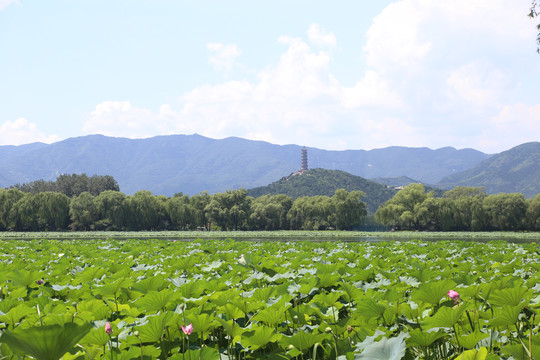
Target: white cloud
column 372, row 90
column 478, row 83
column 513, row 125
column 5, row 3
column 223, row 56
column 21, row 131
column 297, row 100
column 433, row 79
column 120, row 118
column 320, row 37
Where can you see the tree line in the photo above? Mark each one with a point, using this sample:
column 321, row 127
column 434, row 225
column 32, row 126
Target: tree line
column 230, row 210
column 71, row 185
column 459, row 209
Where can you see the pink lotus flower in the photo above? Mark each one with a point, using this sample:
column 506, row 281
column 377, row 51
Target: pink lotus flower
column 187, row 329
column 454, row 295
column 40, row 282
column 108, row 328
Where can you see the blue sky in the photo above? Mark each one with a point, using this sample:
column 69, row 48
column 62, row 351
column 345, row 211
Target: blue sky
column 342, row 75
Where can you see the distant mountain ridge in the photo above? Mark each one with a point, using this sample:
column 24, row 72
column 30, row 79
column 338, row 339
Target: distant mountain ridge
column 190, row 164
column 514, row 170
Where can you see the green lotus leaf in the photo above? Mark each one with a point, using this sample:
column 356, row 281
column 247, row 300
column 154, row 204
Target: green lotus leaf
column 469, row 341
column 232, row 329
column 96, row 336
column 232, row 312
column 270, row 316
column 19, row 293
column 258, row 338
column 480, row 354
column 192, row 289
column 154, row 328
column 89, row 274
column 303, row 340
column 424, row 338
column 328, row 299
column 433, row 292
column 206, row 353
column 247, row 306
column 445, row 317
column 506, row 316
column 202, row 323
column 16, row 314
column 97, row 308
column 327, row 280
column 134, row 353
column 23, row 277
column 510, row 296
column 155, row 283
column 369, row 308
column 49, row 342
column 154, row 301
column 112, row 289
column 518, row 352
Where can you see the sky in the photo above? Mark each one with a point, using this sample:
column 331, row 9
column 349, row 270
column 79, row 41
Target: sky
column 347, row 74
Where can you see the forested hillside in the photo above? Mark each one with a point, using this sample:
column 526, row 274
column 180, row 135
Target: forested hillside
column 189, row 164
column 514, row 170
column 326, row 182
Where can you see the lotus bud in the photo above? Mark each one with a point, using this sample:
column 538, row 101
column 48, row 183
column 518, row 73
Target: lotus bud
column 349, row 328
column 291, row 347
column 328, row 329
column 108, row 328
column 136, row 333
column 454, row 295
column 187, row 329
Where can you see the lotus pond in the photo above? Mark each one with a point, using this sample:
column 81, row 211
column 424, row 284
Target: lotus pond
column 227, row 299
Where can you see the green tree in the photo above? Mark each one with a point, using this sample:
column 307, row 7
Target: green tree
column 36, row 187
column 349, row 209
column 506, row 211
column 229, row 210
column 465, row 205
column 71, row 185
column 464, row 191
column 311, row 213
column 269, row 212
column 83, row 212
column 406, row 210
column 144, row 211
column 198, row 203
column 53, row 210
column 533, row 213
column 8, row 198
column 24, row 214
column 99, row 183
column 111, row 210
column 181, row 212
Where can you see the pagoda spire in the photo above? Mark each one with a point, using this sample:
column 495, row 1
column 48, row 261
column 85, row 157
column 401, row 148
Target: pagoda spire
column 304, row 160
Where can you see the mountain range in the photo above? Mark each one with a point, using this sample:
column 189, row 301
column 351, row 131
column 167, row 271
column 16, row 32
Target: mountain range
column 190, row 164
column 514, row 170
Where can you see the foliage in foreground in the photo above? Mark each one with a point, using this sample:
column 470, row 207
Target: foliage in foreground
column 275, row 300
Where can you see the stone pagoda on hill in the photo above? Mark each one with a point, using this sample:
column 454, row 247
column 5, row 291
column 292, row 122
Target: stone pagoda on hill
column 304, row 160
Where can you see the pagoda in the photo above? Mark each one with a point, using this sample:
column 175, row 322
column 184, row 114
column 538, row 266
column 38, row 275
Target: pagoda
column 304, row 160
